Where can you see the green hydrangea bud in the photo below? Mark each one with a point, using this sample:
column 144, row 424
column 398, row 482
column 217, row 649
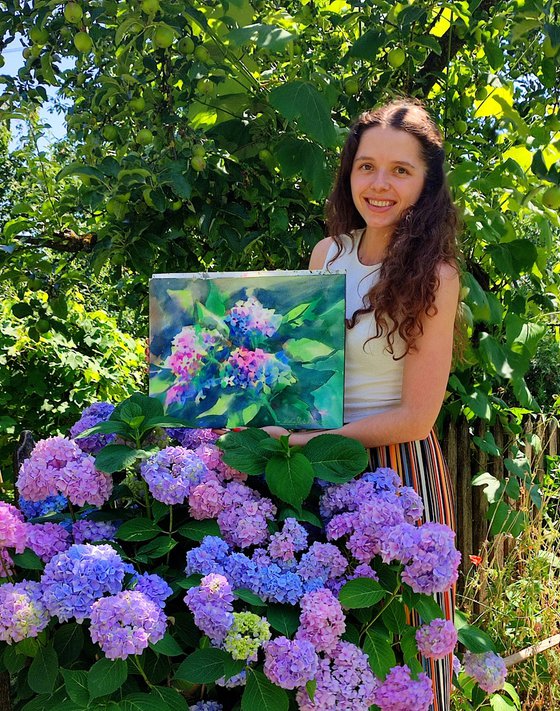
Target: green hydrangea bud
column 246, row 635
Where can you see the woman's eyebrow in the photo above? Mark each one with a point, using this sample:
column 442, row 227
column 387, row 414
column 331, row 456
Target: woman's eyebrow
column 396, row 162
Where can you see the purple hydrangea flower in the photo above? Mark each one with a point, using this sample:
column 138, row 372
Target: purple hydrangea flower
column 35, row 509
column 209, row 557
column 206, row 706
column 400, row 692
column 323, row 561
column 288, row 663
column 242, row 572
column 171, row 473
column 290, row 540
column 153, row 587
column 487, row 669
column 212, row 456
column 345, row 682
column 47, row 539
column 244, row 518
column 211, row 605
column 411, row 504
column 374, row 519
column 233, row 681
column 57, row 465
column 434, row 566
column 22, row 612
column 322, row 620
column 73, row 580
column 93, row 531
column 206, row 500
column 13, row 529
column 400, row 543
column 126, row 623
column 437, row 639
column 91, row 416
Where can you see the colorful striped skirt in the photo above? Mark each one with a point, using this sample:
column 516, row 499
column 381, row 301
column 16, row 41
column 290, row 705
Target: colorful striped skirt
column 420, row 464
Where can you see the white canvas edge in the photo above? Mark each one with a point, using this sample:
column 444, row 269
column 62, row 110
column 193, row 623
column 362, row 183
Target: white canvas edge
column 237, row 275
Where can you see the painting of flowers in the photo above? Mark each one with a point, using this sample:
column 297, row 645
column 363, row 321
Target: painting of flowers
column 249, row 348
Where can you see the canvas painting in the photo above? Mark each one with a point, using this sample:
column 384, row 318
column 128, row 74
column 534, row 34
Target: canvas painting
column 235, row 349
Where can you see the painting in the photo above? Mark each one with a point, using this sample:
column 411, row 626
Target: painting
column 232, row 349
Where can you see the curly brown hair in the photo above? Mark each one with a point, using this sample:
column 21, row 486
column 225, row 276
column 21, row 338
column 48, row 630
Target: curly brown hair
column 424, row 238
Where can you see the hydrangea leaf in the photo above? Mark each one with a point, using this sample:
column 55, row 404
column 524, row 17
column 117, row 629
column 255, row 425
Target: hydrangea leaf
column 138, row 529
column 306, row 350
column 284, row 619
column 43, row 671
column 197, row 530
column 68, row 642
column 203, row 666
column 28, row 560
column 170, row 697
column 106, row 676
column 290, row 478
column 75, row 682
column 394, row 617
column 249, row 597
column 242, row 451
column 168, row 646
column 380, row 652
column 142, row 702
column 361, row 592
column 336, row 458
column 116, row 457
column 262, row 695
column 425, row 605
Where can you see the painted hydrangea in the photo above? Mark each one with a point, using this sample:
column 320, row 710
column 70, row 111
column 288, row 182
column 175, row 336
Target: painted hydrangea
column 13, row 529
column 246, row 635
column 47, row 539
column 126, row 623
column 58, row 466
column 250, row 322
column 290, row 663
column 488, row 669
column 256, row 370
column 211, row 605
column 91, row 416
column 73, row 580
column 22, row 612
column 437, row 639
column 171, row 473
column 400, row 692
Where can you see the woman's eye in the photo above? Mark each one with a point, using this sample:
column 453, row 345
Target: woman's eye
column 400, row 170
column 366, row 166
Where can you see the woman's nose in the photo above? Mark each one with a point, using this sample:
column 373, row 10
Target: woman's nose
column 379, row 179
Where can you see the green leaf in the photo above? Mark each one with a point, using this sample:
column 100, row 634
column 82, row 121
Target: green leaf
column 138, row 529
column 474, row 639
column 284, row 619
column 80, row 170
column 75, row 682
column 196, row 530
column 43, row 671
column 156, row 548
column 367, row 46
column 168, row 646
column 203, row 666
column 262, row 695
column 149, row 406
column 106, row 676
column 306, row 350
column 28, row 560
column 409, row 645
column 141, row 702
column 169, row 699
column 108, row 427
column 335, row 458
column 242, row 450
column 116, row 457
column 68, row 642
column 425, row 605
column 380, row 652
column 267, row 37
column 301, row 102
column 22, row 309
column 500, row 703
column 361, row 592
column 249, row 597
column 487, row 444
column 290, row 478
column 394, row 617
column 504, row 519
column 303, row 515
column 311, row 688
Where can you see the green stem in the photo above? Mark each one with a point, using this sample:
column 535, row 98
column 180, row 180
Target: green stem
column 72, row 512
column 141, row 670
column 170, row 531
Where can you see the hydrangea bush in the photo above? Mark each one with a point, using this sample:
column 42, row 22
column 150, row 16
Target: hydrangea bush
column 153, row 567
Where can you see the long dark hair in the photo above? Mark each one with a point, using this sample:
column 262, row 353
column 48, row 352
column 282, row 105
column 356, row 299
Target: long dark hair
column 424, row 237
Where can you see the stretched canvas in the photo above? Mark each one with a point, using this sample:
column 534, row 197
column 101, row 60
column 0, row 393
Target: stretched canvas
column 235, row 349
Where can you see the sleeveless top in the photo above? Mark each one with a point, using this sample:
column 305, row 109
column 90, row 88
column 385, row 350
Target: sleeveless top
column 372, row 378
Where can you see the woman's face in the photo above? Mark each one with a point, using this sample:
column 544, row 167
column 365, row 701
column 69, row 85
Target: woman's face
column 387, row 177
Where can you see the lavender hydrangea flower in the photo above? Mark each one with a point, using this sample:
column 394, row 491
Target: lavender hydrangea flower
column 246, row 635
column 47, row 539
column 287, row 542
column 411, row 504
column 153, row 587
column 256, row 370
column 22, row 612
column 93, row 531
column 209, row 557
column 400, row 543
column 73, row 580
column 57, row 465
column 211, row 605
column 400, row 692
column 206, row 706
column 233, row 681
column 321, row 621
column 345, row 682
column 434, row 567
column 171, row 473
column 91, row 416
column 437, row 639
column 212, row 456
column 244, row 518
column 323, row 561
column 126, row 623
column 288, row 663
column 206, row 500
column 374, row 519
column 35, row 509
column 487, row 669
column 13, row 529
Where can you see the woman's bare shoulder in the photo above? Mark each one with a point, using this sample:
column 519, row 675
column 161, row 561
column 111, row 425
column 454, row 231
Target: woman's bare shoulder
column 319, row 254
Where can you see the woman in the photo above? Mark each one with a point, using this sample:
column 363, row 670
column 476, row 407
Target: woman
column 394, row 230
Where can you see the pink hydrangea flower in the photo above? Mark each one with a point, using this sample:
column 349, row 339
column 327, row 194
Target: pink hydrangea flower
column 13, row 531
column 47, row 539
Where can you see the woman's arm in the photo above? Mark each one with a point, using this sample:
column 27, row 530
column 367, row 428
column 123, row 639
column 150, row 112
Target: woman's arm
column 425, row 376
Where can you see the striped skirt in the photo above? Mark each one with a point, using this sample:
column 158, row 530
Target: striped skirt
column 420, row 464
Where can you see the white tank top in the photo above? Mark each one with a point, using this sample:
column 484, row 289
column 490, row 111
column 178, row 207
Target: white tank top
column 372, row 378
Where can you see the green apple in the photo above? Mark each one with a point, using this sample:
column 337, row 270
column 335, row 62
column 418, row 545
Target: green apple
column 137, row 104
column 352, row 85
column 39, row 35
column 396, row 57
column 73, row 13
column 481, row 93
column 164, row 36
column 199, row 150
column 150, row 7
column 201, row 54
column 205, row 87
column 198, row 163
column 460, row 127
column 43, row 325
column 83, row 42
column 109, row 132
column 551, row 197
column 185, row 45
column 144, row 137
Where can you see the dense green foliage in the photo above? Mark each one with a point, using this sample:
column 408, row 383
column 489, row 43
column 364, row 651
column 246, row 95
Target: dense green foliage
column 203, row 135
